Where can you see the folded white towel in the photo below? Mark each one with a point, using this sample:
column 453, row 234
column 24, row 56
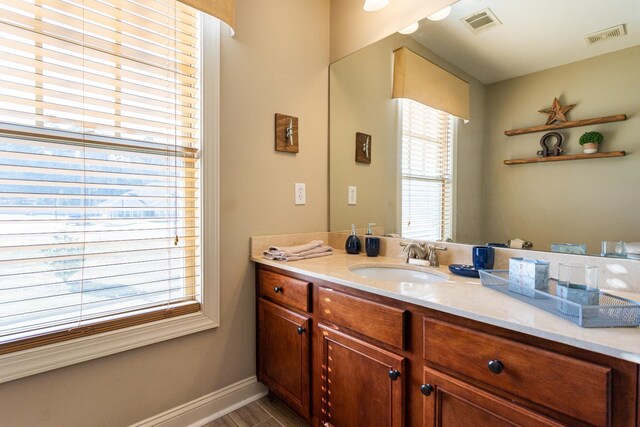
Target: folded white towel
column 312, row 249
column 295, row 249
column 299, row 257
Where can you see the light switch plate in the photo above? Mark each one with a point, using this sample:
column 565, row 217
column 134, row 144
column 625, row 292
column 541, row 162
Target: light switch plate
column 352, row 195
column 300, row 194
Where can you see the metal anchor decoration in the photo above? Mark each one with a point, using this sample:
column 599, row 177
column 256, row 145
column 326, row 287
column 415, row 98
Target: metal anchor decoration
column 548, row 151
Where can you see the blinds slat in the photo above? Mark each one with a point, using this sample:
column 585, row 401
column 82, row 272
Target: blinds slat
column 96, row 96
column 85, row 19
column 187, row 260
column 97, row 254
column 130, row 77
column 65, row 103
column 91, row 127
column 95, row 44
column 66, row 288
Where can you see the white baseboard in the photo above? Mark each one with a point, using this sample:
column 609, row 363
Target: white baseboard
column 209, row 407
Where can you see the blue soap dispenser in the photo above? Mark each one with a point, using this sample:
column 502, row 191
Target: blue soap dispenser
column 353, row 245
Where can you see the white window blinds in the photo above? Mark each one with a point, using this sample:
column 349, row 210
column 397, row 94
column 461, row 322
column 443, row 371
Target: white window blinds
column 99, row 166
column 427, row 172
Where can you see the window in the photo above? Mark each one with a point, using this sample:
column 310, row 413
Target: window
column 100, row 169
column 427, row 171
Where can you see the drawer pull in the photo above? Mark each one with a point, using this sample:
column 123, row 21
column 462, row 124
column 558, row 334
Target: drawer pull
column 426, row 389
column 496, row 366
column 394, row 374
column 277, row 289
column 301, row 330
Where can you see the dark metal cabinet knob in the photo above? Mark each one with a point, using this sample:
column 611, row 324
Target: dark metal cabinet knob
column 301, row 330
column 394, row 374
column 496, row 366
column 426, row 389
column 277, row 289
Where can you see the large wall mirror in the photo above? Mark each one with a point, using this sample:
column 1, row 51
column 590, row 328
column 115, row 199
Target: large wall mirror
column 536, row 53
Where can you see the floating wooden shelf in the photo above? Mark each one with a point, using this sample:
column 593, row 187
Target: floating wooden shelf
column 573, row 124
column 566, row 157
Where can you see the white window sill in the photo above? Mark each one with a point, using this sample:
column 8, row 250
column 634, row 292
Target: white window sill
column 36, row 360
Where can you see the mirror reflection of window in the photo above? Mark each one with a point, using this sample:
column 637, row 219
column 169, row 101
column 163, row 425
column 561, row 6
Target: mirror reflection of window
column 427, row 171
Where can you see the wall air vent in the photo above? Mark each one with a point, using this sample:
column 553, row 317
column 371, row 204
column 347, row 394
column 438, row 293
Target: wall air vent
column 609, row 33
column 481, row 21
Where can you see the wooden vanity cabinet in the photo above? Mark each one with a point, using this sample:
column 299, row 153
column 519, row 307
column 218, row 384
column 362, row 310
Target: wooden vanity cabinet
column 568, row 388
column 366, row 360
column 283, row 338
column 362, row 384
column 450, row 402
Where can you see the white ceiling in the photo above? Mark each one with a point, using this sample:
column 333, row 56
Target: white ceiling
column 535, row 35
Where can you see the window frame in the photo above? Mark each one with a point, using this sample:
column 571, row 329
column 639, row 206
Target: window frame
column 35, row 360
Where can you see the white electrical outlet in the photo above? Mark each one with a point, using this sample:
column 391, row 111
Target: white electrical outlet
column 301, row 194
column 353, row 193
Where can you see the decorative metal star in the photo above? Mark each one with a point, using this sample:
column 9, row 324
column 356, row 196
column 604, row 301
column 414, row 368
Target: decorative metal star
column 556, row 112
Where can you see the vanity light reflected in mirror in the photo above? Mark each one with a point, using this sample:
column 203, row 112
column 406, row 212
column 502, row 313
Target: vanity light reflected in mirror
column 410, row 29
column 375, row 5
column 440, row 15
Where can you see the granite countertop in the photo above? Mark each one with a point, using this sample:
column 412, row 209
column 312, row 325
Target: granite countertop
column 466, row 297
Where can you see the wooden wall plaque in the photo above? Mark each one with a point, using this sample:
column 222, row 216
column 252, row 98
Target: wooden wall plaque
column 363, row 148
column 286, row 133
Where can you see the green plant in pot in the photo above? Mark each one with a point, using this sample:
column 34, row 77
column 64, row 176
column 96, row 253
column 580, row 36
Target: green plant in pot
column 590, row 141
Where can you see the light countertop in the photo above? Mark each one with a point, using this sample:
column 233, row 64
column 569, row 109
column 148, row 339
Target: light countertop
column 466, row 297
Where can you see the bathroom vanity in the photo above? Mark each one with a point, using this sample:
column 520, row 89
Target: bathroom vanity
column 348, row 351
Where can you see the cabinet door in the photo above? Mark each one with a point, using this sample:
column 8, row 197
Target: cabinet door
column 449, row 402
column 283, row 354
column 361, row 383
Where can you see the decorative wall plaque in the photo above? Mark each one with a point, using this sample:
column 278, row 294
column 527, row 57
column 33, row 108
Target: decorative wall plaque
column 286, row 133
column 363, row 148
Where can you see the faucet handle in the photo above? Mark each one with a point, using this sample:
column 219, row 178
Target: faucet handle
column 433, row 255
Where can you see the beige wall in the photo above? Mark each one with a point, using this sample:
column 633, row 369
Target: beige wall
column 582, row 201
column 360, row 101
column 272, row 65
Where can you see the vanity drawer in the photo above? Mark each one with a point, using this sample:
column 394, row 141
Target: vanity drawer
column 285, row 290
column 571, row 386
column 380, row 322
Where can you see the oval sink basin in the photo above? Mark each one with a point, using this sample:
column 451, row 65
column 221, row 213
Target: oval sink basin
column 398, row 273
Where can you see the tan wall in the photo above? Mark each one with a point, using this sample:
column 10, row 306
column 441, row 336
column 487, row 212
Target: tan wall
column 272, row 65
column 582, row 201
column 360, row 101
column 352, row 28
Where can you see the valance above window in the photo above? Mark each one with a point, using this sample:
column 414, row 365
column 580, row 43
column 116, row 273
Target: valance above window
column 421, row 80
column 225, row 10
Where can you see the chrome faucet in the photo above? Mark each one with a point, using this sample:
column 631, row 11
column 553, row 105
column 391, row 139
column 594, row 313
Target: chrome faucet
column 423, row 252
column 415, row 250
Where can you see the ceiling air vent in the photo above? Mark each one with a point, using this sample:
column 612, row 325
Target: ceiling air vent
column 481, row 21
column 609, row 33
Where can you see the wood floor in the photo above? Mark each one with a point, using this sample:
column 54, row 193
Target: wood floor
column 266, row 412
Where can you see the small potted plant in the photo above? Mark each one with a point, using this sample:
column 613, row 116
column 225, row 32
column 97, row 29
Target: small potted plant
column 590, row 141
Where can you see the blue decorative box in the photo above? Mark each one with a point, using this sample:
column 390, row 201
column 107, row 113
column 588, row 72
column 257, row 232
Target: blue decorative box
column 528, row 275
